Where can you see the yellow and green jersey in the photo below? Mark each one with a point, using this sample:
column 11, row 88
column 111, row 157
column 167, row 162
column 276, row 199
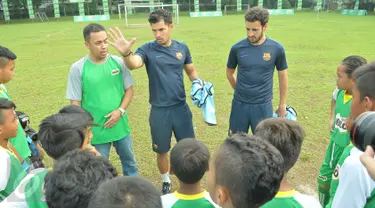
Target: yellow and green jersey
column 11, row 174
column 292, row 199
column 19, row 142
column 340, row 134
column 177, row 200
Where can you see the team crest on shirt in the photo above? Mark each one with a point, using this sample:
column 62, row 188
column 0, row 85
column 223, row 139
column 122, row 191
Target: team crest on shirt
column 115, row 71
column 179, row 55
column 266, row 56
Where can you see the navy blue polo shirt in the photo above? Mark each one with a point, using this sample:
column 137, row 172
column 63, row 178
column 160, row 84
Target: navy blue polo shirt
column 165, row 70
column 256, row 65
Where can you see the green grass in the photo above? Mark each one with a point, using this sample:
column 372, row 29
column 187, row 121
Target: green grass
column 314, row 48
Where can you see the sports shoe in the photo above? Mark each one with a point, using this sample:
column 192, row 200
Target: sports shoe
column 166, row 188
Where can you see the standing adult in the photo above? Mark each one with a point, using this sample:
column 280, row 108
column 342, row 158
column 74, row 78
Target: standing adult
column 165, row 60
column 103, row 86
column 255, row 57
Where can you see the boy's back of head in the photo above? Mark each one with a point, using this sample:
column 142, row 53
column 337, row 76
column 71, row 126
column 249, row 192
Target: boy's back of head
column 61, row 133
column 74, row 179
column 126, row 191
column 189, row 160
column 246, row 171
column 73, row 109
column 286, row 135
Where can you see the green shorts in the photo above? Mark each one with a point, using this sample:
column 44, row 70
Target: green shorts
column 333, row 155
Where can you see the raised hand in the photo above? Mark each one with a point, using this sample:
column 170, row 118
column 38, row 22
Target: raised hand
column 119, row 42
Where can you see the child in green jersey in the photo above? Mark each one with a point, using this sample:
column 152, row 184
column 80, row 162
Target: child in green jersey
column 7, row 70
column 11, row 169
column 60, row 133
column 189, row 162
column 287, row 136
column 339, row 137
column 246, row 171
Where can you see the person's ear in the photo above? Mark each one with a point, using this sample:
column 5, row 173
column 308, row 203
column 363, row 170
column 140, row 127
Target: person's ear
column 222, row 196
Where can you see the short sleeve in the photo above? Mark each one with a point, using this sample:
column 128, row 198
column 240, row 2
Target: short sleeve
column 74, row 89
column 141, row 51
column 335, row 93
column 232, row 59
column 5, row 167
column 126, row 75
column 188, row 58
column 281, row 63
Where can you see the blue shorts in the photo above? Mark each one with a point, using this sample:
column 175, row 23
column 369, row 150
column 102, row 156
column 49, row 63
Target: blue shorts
column 164, row 120
column 244, row 115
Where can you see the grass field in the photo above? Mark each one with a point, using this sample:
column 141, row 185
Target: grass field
column 314, row 48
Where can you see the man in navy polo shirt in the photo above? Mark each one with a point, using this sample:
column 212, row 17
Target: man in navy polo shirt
column 165, row 60
column 255, row 57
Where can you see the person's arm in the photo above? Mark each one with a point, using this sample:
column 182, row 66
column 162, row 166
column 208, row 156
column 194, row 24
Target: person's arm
column 332, row 114
column 281, row 66
column 191, row 72
column 115, row 115
column 189, row 67
column 133, row 61
column 231, row 77
column 123, row 46
column 355, row 185
column 231, row 67
column 367, row 159
column 74, row 89
column 283, row 88
column 5, row 169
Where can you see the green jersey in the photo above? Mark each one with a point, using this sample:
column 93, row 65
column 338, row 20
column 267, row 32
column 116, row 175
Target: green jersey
column 342, row 110
column 101, row 88
column 19, row 142
column 292, row 199
column 355, row 188
column 177, row 200
column 336, row 172
column 30, row 192
column 11, row 173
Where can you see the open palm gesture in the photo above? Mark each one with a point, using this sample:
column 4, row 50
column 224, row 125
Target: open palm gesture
column 118, row 41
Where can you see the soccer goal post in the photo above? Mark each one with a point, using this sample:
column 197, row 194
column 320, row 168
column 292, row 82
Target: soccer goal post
column 235, row 8
column 172, row 7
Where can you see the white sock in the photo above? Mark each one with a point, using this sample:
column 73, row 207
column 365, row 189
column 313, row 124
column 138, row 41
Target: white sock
column 165, row 178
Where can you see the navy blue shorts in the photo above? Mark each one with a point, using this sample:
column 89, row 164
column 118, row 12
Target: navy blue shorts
column 164, row 120
column 244, row 115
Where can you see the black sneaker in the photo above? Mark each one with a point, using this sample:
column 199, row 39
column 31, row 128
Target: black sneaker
column 166, row 188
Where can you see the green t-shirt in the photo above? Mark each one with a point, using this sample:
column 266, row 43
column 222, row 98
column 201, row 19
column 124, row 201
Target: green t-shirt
column 177, row 200
column 19, row 142
column 355, row 187
column 29, row 193
column 342, row 110
column 292, row 199
column 12, row 173
column 335, row 175
column 34, row 191
column 101, row 88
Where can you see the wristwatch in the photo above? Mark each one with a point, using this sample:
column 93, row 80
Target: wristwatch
column 122, row 111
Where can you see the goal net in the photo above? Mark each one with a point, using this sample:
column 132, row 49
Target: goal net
column 236, row 9
column 136, row 14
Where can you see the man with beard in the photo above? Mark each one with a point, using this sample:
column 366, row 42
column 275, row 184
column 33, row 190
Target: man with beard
column 255, row 57
column 102, row 85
